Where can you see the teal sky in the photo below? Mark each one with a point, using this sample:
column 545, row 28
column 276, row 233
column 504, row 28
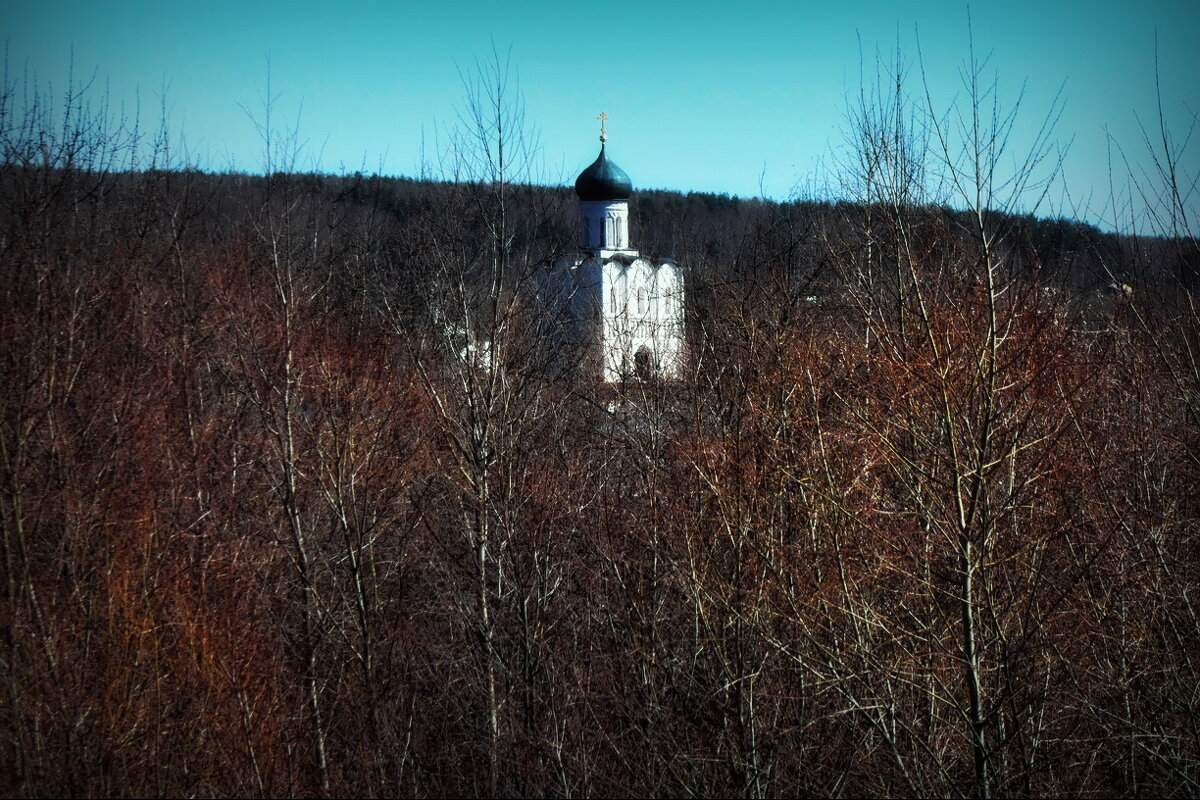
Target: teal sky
column 720, row 97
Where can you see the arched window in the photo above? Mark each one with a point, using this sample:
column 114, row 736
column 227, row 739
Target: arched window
column 643, row 364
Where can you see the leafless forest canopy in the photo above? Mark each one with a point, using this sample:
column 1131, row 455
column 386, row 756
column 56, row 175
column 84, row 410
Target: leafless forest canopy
column 301, row 493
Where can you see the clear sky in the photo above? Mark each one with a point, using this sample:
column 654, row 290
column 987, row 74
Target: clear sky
column 744, row 98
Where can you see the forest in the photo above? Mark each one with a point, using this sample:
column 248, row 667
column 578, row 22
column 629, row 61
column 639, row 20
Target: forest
column 297, row 500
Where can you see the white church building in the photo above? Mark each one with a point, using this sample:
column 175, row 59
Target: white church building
column 627, row 308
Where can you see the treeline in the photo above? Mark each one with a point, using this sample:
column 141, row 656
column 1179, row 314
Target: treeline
column 297, row 499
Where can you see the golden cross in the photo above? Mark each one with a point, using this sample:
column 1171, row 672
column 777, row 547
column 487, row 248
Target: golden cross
column 603, row 134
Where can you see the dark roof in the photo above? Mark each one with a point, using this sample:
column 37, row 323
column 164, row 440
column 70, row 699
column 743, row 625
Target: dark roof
column 603, row 180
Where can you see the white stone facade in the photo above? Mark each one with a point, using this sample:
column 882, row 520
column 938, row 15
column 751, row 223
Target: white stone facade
column 622, row 314
column 642, row 313
column 625, row 309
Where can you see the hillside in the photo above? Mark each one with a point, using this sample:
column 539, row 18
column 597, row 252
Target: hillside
column 292, row 504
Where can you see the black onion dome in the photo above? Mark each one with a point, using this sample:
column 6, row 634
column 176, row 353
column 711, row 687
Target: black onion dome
column 603, row 180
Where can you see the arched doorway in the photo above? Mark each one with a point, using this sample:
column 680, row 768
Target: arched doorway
column 643, row 364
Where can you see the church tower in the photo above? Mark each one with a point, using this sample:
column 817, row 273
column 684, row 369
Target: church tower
column 637, row 302
column 603, row 190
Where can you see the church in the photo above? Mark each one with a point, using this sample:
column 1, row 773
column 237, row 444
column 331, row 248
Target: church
column 626, row 309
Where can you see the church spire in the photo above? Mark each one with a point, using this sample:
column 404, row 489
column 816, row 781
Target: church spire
column 603, row 180
column 603, row 190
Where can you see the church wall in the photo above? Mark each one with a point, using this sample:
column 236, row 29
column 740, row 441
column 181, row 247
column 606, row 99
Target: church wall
column 669, row 311
column 643, row 309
